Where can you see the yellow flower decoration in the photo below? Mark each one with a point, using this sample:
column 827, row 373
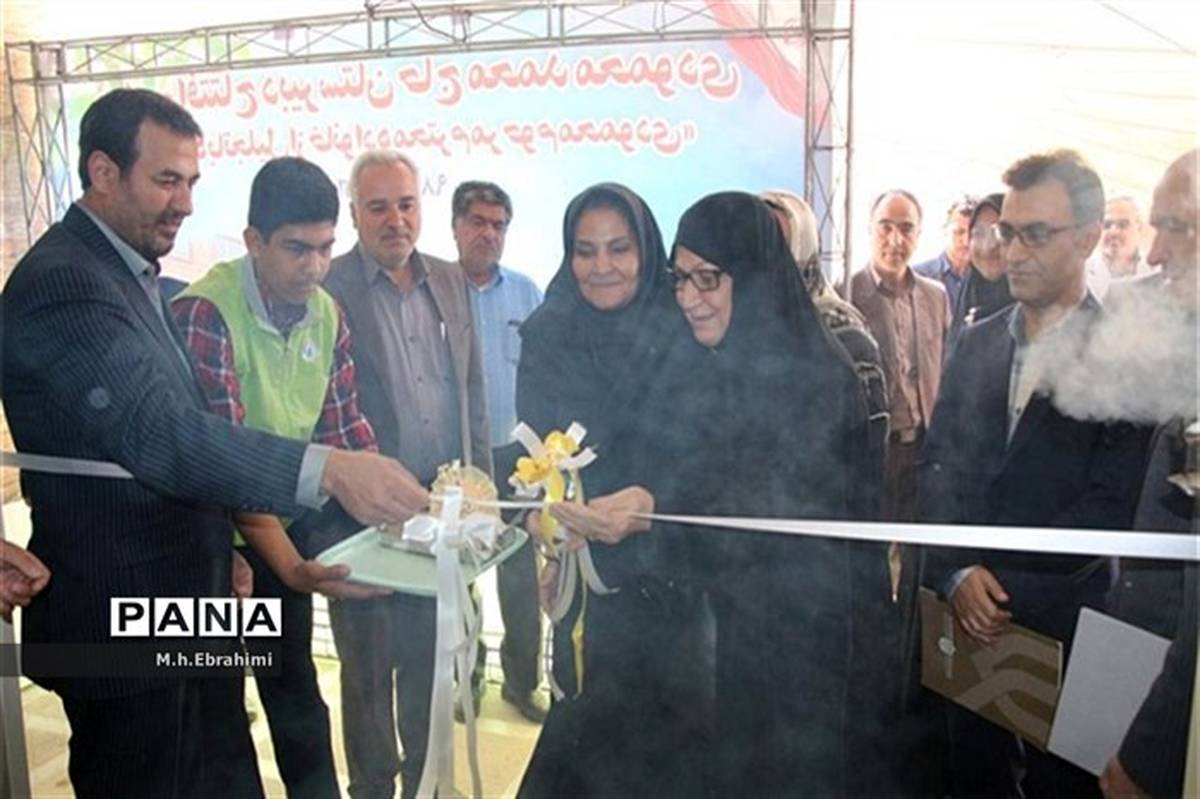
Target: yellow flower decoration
column 545, row 465
column 532, row 471
column 559, row 445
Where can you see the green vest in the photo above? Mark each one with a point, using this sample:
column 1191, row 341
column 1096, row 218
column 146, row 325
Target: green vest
column 282, row 382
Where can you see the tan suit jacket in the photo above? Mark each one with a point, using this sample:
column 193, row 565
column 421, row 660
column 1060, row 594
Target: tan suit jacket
column 932, row 319
column 346, row 282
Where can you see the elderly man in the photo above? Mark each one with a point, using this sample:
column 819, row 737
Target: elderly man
column 950, row 267
column 1119, row 255
column 908, row 315
column 1151, row 759
column 501, row 299
column 420, row 382
column 1001, row 452
column 94, row 371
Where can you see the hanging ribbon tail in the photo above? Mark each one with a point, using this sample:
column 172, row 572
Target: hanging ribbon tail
column 591, row 577
column 466, row 696
column 565, row 590
column 455, row 622
column 548, row 666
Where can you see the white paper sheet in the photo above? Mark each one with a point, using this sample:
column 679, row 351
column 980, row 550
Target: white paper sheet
column 1112, row 666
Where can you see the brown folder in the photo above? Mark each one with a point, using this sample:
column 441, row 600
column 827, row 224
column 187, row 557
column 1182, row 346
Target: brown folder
column 1014, row 682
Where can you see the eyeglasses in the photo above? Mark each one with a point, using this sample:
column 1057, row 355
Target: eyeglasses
column 1037, row 234
column 702, row 279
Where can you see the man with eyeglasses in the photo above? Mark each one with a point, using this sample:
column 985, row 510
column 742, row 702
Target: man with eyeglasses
column 501, row 299
column 950, row 267
column 1119, row 256
column 1000, row 452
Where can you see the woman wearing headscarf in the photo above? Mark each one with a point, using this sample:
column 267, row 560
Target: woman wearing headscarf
column 887, row 717
column 985, row 289
column 766, row 428
column 588, row 355
column 843, row 320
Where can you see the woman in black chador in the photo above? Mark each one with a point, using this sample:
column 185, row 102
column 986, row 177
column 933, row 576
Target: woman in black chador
column 765, row 426
column 589, row 354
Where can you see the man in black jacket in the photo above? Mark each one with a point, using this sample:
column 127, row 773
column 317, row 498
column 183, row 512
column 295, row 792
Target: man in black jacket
column 94, row 370
column 1000, row 452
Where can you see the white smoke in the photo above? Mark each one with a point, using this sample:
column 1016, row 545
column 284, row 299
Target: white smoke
column 1137, row 364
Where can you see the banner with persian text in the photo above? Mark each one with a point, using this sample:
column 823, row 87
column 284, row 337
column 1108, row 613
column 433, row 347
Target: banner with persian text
column 672, row 121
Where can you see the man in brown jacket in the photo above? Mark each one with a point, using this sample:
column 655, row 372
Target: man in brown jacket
column 908, row 315
column 421, row 385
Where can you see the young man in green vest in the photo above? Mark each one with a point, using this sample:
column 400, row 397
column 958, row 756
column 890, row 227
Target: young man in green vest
column 272, row 351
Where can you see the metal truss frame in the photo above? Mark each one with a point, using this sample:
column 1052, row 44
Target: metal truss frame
column 828, row 118
column 38, row 71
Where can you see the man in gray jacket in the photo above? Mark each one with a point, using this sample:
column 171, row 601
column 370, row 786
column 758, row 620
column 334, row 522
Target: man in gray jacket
column 420, row 383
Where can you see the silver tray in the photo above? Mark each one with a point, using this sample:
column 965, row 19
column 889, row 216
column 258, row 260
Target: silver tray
column 373, row 561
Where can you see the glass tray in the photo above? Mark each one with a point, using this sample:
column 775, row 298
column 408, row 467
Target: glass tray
column 373, row 562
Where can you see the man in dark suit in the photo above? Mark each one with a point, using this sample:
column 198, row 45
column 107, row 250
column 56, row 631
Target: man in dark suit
column 420, row 383
column 93, row 369
column 1152, row 756
column 999, row 452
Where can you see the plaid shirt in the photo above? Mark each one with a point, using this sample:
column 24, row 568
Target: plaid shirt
column 341, row 423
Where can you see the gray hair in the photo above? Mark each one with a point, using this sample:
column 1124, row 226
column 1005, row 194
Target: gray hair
column 1126, row 198
column 370, row 158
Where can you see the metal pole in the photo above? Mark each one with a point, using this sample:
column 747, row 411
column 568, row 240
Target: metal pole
column 807, row 9
column 23, row 144
column 846, row 220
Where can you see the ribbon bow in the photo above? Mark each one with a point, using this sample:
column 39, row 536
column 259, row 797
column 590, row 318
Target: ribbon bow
column 544, row 471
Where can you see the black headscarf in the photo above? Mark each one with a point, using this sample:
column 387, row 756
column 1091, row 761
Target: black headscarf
column 778, row 384
column 582, row 364
column 775, row 415
column 608, row 335
column 979, row 297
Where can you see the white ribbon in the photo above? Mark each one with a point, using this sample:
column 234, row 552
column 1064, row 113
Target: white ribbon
column 52, row 464
column 457, row 638
column 1045, row 540
column 1048, row 540
column 458, row 625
